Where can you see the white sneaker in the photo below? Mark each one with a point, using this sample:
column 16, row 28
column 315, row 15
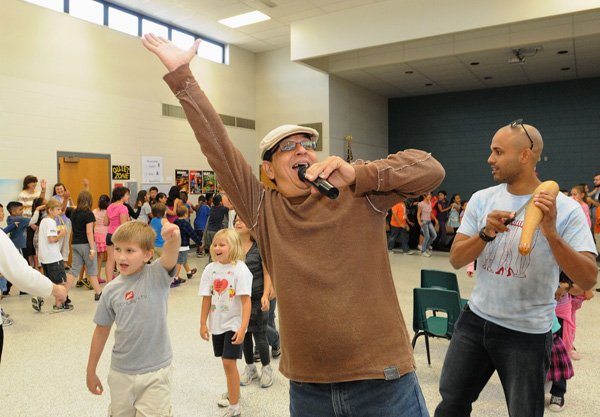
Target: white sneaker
column 224, row 400
column 232, row 413
column 410, row 252
column 250, row 374
column 426, row 254
column 557, row 404
column 266, row 376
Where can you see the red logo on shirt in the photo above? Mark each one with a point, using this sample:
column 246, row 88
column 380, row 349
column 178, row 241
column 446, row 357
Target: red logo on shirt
column 220, row 285
column 129, row 295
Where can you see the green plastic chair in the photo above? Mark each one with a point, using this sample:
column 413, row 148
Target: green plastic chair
column 431, row 278
column 434, row 300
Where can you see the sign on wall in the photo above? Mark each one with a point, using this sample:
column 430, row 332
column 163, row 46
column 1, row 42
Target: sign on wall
column 121, row 172
column 152, row 169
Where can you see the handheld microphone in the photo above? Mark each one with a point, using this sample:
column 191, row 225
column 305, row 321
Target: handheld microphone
column 324, row 186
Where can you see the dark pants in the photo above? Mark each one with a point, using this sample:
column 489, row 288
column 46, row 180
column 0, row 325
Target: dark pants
column 477, row 349
column 272, row 333
column 1, row 341
column 261, row 345
column 400, row 397
column 395, row 233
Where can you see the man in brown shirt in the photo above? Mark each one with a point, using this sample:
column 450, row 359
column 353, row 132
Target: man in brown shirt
column 346, row 349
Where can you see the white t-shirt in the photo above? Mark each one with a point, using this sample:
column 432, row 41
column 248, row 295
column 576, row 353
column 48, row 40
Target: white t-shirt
column 515, row 291
column 48, row 252
column 225, row 283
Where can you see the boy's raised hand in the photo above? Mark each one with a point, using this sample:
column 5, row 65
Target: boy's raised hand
column 169, row 54
column 169, row 231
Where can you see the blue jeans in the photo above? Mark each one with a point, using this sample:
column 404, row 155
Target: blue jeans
column 477, row 349
column 400, row 397
column 272, row 333
column 429, row 234
column 396, row 232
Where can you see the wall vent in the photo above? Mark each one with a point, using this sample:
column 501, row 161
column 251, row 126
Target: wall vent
column 170, row 110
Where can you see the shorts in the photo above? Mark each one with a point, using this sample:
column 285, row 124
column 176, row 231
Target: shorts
column 182, row 257
column 223, row 347
column 109, row 239
column 55, row 272
column 81, row 256
column 100, row 239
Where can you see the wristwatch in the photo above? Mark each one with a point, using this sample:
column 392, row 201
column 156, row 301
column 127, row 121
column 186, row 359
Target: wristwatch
column 484, row 237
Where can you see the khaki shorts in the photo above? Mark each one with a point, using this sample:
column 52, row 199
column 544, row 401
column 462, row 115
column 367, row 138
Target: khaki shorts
column 142, row 395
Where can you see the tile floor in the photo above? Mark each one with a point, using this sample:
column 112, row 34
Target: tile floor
column 43, row 366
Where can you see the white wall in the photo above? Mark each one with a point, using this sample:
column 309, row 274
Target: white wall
column 287, row 92
column 69, row 85
column 360, row 113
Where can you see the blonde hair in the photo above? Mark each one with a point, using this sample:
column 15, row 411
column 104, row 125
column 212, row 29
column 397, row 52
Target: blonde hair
column 181, row 210
column 53, row 203
column 236, row 252
column 138, row 233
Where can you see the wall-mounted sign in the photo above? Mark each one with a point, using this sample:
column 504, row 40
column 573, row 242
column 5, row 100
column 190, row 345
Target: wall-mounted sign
column 121, row 172
column 152, row 169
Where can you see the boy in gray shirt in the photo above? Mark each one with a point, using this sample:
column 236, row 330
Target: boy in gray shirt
column 136, row 302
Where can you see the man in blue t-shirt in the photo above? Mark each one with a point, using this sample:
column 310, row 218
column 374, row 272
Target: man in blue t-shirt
column 506, row 326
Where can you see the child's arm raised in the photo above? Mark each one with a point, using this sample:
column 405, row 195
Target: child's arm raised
column 238, row 337
column 170, row 234
column 98, row 341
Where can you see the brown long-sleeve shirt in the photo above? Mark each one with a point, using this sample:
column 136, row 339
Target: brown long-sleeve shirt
column 339, row 315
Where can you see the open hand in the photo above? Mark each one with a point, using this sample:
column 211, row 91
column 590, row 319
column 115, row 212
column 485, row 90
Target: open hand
column 169, row 54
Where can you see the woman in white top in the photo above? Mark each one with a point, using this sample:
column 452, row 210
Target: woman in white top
column 29, row 193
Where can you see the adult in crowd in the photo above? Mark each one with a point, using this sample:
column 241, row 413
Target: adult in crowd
column 506, row 326
column 340, row 248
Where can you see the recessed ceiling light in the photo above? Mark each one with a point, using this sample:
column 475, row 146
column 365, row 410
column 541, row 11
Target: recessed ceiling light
column 562, row 52
column 244, row 19
column 474, row 63
column 428, row 85
column 487, row 78
column 408, row 72
column 565, row 68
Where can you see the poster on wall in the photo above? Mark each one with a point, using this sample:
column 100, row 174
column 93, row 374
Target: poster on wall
column 152, row 169
column 195, row 181
column 209, row 182
column 121, row 172
column 182, row 178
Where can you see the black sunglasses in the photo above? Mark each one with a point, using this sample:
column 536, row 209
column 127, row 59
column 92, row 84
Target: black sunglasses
column 520, row 122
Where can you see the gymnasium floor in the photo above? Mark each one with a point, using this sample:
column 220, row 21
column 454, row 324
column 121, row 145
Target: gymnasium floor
column 45, row 356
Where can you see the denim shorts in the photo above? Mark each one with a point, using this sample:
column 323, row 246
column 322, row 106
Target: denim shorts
column 223, row 347
column 182, row 257
column 55, row 272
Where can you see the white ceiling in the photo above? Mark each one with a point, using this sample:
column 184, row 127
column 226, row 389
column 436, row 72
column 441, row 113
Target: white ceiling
column 427, row 66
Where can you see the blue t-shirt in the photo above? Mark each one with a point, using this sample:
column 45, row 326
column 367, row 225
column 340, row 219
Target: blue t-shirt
column 515, row 291
column 157, row 226
column 201, row 217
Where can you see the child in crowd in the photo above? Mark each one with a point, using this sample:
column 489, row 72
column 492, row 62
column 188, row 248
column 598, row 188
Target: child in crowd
column 597, row 229
column 152, row 195
column 187, row 232
column 100, row 231
column 50, row 243
column 259, row 316
column 225, row 288
column 19, row 230
column 83, row 244
column 426, row 216
column 116, row 214
column 202, row 211
column 158, row 213
column 136, row 302
column 161, row 198
column 145, row 211
column 578, row 194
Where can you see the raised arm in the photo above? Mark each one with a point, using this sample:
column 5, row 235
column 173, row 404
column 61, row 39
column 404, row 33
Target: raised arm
column 172, row 238
column 234, row 173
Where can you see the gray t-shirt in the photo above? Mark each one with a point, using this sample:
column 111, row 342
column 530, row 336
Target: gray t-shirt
column 145, row 212
column 137, row 304
column 515, row 291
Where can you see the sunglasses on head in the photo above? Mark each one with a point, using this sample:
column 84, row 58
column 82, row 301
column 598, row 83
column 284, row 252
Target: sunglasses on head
column 519, row 122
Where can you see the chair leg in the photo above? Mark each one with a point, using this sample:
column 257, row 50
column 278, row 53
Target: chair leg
column 414, row 341
column 427, row 347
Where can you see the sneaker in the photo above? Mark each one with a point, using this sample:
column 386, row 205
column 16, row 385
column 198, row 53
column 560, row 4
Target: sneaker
column 276, row 352
column 557, row 404
column 182, row 280
column 175, row 283
column 79, row 283
column 426, row 254
column 101, row 281
column 224, row 400
column 250, row 374
column 68, row 307
column 232, row 413
column 37, row 303
column 410, row 252
column 97, row 297
column 3, row 313
column 266, row 376
column 191, row 273
column 87, row 284
column 58, row 309
column 7, row 321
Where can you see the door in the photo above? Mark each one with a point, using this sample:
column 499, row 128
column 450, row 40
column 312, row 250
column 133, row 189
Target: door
column 74, row 167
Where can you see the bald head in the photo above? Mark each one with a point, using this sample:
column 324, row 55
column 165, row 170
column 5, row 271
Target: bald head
column 519, row 138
